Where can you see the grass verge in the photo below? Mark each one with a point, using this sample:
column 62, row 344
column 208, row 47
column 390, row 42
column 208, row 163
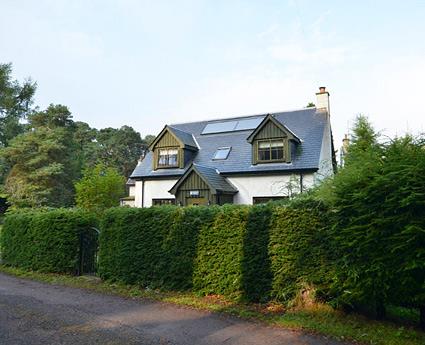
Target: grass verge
column 318, row 318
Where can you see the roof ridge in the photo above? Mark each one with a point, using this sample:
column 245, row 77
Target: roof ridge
column 242, row 116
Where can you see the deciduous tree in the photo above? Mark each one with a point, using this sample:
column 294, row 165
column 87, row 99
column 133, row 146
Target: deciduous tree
column 101, row 187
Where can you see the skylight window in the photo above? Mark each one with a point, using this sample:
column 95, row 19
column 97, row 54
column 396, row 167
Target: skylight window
column 222, row 153
column 248, row 124
column 231, row 126
column 218, row 127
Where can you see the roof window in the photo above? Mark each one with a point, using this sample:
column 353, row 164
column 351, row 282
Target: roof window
column 232, row 126
column 222, row 153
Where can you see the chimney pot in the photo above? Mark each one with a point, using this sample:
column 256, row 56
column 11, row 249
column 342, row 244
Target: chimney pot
column 322, row 89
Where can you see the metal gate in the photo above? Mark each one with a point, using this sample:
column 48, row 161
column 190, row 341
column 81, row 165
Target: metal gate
column 87, row 256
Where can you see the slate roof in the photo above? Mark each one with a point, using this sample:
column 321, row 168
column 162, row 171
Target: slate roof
column 185, row 137
column 308, row 125
column 131, row 182
column 211, row 176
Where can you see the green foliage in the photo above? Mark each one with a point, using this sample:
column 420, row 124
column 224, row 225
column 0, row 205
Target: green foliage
column 15, row 103
column 220, row 253
column 47, row 155
column 42, row 161
column 44, row 240
column 100, row 188
column 119, row 148
column 299, row 250
column 364, row 140
column 211, row 250
column 152, row 247
column 256, row 264
column 379, row 226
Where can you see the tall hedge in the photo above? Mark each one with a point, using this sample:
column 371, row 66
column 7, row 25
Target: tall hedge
column 379, row 227
column 153, row 247
column 230, row 250
column 46, row 241
column 299, row 251
column 232, row 257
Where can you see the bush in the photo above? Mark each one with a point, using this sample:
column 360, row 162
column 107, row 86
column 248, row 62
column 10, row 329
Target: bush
column 211, row 250
column 378, row 229
column 152, row 247
column 220, row 253
column 299, row 250
column 101, row 187
column 46, row 241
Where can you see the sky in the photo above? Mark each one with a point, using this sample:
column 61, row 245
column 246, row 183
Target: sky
column 150, row 63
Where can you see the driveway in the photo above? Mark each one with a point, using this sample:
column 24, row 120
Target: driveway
column 37, row 313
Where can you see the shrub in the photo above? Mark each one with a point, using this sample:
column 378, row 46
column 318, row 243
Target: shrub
column 101, row 187
column 378, row 227
column 299, row 250
column 212, row 250
column 46, row 241
column 152, row 247
column 220, row 253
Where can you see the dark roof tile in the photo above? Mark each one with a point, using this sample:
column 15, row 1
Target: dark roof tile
column 308, row 124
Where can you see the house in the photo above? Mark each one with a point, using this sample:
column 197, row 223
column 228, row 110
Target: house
column 240, row 160
column 129, row 200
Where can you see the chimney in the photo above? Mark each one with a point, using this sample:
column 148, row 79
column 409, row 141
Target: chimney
column 344, row 149
column 322, row 100
column 142, row 157
column 345, row 142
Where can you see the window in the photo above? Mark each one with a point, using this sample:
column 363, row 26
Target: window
column 222, row 153
column 194, row 193
column 266, row 199
column 168, row 157
column 270, row 150
column 159, row 202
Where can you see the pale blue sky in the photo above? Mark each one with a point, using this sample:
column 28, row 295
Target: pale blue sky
column 148, row 63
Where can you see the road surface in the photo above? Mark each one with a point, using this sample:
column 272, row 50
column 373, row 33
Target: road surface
column 36, row 313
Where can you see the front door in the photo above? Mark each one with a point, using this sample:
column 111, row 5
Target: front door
column 196, row 201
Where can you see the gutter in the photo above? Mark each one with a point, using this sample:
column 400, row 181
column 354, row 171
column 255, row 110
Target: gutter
column 268, row 172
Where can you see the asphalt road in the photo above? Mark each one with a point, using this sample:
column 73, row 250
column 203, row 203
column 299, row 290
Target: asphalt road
column 36, row 313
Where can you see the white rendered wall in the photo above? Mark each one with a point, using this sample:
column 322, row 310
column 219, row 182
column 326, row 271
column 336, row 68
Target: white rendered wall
column 132, row 191
column 157, row 189
column 268, row 186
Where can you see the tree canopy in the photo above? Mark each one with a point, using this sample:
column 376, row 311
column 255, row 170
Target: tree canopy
column 378, row 224
column 16, row 101
column 43, row 153
column 42, row 161
column 101, row 187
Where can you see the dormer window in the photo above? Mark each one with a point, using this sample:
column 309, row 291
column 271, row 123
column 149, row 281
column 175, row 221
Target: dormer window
column 172, row 148
column 270, row 150
column 272, row 142
column 168, row 158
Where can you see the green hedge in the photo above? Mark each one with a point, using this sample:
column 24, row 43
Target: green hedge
column 299, row 251
column 46, row 241
column 210, row 250
column 153, row 247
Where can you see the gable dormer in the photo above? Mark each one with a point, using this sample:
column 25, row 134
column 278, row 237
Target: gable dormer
column 272, row 142
column 172, row 148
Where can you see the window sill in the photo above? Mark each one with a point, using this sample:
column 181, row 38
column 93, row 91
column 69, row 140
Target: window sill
column 167, row 167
